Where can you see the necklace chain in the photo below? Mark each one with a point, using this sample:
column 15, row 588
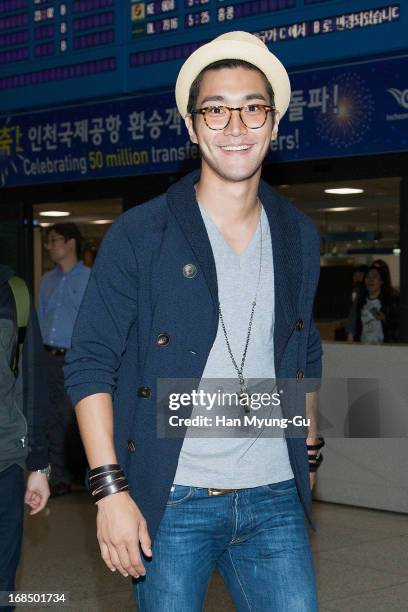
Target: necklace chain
column 240, row 370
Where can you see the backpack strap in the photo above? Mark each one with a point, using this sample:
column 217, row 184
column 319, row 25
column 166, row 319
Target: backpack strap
column 22, row 300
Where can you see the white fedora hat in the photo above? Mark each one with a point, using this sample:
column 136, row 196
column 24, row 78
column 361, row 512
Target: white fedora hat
column 240, row 46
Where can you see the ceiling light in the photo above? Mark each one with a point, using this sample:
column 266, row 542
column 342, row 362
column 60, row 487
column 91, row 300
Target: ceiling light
column 54, row 213
column 396, row 251
column 102, row 221
column 340, row 208
column 343, row 190
column 45, row 224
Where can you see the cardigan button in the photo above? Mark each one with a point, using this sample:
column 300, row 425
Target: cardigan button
column 299, row 374
column 299, row 324
column 131, row 446
column 144, row 392
column 189, row 270
column 163, row 339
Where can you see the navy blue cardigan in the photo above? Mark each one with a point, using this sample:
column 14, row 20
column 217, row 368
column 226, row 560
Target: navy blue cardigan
column 137, row 290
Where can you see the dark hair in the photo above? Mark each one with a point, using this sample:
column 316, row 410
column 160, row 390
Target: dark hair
column 69, row 231
column 389, row 303
column 363, row 268
column 227, row 63
column 384, row 271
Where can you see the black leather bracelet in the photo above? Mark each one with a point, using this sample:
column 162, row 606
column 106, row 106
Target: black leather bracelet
column 316, row 458
column 103, row 469
column 104, row 485
column 110, row 490
column 314, row 465
column 316, row 446
column 105, row 479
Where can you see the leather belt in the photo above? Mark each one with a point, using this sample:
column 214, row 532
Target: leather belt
column 213, row 491
column 54, row 350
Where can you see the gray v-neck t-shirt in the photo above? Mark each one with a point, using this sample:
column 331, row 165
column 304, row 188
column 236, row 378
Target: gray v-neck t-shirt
column 239, row 462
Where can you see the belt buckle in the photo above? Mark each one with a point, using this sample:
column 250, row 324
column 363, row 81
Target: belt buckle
column 215, row 492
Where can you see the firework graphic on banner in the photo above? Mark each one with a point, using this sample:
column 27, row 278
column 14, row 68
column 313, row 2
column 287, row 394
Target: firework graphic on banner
column 348, row 118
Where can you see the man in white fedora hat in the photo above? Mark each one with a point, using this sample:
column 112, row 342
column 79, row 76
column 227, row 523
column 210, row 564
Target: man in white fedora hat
column 214, row 279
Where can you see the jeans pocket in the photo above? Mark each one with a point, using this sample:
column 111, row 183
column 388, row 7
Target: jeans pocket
column 283, row 487
column 179, row 494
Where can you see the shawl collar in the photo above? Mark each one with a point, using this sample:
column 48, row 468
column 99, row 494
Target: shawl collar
column 182, row 201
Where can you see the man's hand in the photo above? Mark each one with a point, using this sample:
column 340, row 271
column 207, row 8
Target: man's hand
column 37, row 492
column 120, row 528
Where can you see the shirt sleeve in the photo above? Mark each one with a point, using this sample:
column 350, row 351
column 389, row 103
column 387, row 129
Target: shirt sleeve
column 107, row 312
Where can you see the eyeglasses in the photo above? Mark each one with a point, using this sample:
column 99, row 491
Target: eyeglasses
column 253, row 116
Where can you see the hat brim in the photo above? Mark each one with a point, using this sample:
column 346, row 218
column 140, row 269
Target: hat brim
column 218, row 50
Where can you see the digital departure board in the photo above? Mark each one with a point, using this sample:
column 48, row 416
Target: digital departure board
column 40, row 28
column 149, row 18
column 52, row 52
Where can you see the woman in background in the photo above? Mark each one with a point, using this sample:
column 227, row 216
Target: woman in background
column 375, row 314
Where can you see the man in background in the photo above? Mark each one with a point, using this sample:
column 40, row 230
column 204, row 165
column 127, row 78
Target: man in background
column 23, row 414
column 61, row 293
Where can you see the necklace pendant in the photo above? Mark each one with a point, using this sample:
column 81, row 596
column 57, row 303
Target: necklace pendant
column 244, row 395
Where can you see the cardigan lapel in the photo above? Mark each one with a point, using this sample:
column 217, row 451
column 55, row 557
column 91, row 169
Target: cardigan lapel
column 182, row 201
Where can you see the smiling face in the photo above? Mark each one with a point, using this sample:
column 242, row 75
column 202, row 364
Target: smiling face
column 235, row 153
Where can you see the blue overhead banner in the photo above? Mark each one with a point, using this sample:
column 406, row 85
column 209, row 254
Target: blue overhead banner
column 350, row 109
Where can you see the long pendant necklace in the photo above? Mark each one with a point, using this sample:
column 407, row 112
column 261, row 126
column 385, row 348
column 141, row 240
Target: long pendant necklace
column 240, row 369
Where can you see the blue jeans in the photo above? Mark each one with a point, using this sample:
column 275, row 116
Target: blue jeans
column 12, row 488
column 257, row 538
